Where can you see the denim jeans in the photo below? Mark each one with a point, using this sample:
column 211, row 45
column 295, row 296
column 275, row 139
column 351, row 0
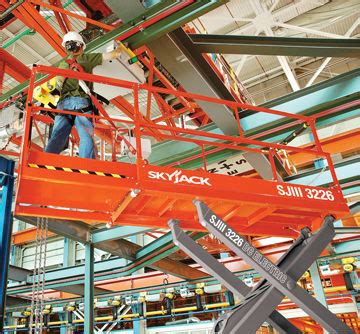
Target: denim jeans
column 63, row 124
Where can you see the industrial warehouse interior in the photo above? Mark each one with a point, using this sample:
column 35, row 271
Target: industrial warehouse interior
column 180, row 167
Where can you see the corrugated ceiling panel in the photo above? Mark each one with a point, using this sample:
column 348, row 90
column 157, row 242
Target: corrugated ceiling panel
column 15, row 26
column 218, row 21
column 241, row 9
column 281, row 3
column 289, row 12
column 9, row 83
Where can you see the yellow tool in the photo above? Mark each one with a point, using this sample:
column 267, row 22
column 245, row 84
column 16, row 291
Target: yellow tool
column 348, row 267
column 45, row 93
column 47, row 309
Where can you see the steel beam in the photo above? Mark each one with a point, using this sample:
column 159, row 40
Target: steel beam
column 347, row 247
column 347, row 230
column 145, row 257
column 317, row 285
column 89, row 289
column 117, row 233
column 196, row 76
column 346, row 170
column 80, row 231
column 169, row 23
column 276, row 46
column 79, row 289
column 166, row 239
column 32, row 18
column 18, row 274
column 15, row 301
column 328, row 59
column 316, row 280
column 14, row 67
column 135, row 33
column 7, row 184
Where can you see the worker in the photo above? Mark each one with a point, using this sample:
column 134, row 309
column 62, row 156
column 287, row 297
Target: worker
column 75, row 96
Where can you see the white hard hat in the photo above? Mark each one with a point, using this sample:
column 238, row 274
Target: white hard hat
column 73, row 36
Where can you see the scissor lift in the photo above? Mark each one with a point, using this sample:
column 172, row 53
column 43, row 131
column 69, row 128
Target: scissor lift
column 279, row 280
column 144, row 194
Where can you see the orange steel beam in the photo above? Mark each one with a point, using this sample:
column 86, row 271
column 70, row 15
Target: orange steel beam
column 32, row 18
column 259, row 214
column 63, row 16
column 11, row 71
column 341, row 143
column 122, row 205
column 26, row 236
column 121, row 103
column 14, row 67
column 62, row 19
column 66, row 12
column 353, row 220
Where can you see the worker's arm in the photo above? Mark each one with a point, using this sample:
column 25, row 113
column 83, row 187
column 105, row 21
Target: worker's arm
column 114, row 53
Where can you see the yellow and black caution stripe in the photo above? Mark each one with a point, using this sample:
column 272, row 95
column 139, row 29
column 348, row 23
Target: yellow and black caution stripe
column 73, row 170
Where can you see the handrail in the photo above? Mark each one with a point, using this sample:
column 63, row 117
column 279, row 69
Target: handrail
column 144, row 126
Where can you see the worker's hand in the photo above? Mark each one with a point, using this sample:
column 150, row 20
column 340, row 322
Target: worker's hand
column 50, row 86
column 59, row 83
column 113, row 54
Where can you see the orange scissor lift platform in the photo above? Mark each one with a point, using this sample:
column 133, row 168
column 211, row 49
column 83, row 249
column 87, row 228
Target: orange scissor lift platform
column 142, row 194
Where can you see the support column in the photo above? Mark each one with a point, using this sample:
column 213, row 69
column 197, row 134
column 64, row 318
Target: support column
column 139, row 325
column 69, row 252
column 65, row 329
column 89, row 289
column 317, row 285
column 7, row 183
column 139, row 240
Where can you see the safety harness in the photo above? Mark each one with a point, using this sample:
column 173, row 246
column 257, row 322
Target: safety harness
column 95, row 98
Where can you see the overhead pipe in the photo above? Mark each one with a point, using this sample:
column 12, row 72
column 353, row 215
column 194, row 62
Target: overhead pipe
column 136, row 315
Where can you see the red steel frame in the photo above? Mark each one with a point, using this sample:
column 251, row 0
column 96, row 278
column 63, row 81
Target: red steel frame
column 252, row 206
column 13, row 67
column 28, row 14
column 147, row 58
